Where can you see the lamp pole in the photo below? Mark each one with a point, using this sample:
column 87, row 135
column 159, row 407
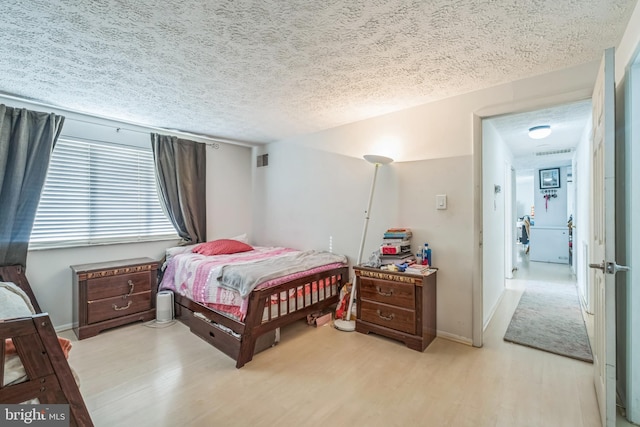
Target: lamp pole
column 349, row 325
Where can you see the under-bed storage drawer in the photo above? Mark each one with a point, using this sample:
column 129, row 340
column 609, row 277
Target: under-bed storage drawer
column 215, row 336
column 223, row 340
column 112, row 294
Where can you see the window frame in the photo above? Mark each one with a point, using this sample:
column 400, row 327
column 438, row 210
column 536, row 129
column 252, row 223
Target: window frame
column 95, row 235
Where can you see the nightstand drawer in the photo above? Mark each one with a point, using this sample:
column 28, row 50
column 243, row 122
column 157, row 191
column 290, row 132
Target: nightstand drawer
column 389, row 316
column 388, row 292
column 110, row 308
column 117, row 286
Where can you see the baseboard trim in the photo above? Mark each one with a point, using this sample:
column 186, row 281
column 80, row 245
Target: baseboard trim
column 455, row 338
column 493, row 311
column 63, row 328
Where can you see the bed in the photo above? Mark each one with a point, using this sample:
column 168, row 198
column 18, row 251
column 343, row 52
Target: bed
column 212, row 299
column 34, row 368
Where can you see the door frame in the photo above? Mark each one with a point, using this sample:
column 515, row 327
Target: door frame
column 509, row 219
column 631, row 357
column 478, row 215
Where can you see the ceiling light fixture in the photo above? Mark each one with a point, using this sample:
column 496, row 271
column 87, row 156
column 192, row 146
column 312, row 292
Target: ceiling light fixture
column 539, row 132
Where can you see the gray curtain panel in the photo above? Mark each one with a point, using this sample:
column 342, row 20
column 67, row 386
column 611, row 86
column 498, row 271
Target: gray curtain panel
column 181, row 180
column 27, row 139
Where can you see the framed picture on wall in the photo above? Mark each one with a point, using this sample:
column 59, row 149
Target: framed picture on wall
column 549, row 178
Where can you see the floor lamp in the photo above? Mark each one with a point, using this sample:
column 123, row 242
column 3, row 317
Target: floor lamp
column 349, row 325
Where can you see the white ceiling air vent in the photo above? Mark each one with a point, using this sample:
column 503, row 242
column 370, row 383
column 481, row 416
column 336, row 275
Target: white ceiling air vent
column 549, row 153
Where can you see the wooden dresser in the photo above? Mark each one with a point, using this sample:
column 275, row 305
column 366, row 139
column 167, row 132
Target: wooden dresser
column 397, row 305
column 110, row 294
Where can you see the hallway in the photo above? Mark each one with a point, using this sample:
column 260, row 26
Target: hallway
column 528, row 271
column 543, row 271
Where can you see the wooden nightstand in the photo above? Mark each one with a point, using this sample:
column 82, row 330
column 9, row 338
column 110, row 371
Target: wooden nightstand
column 110, row 294
column 397, row 305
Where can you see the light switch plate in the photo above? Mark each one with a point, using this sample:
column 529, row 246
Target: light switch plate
column 441, row 201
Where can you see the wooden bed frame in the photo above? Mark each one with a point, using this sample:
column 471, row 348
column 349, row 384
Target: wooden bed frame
column 50, row 379
column 204, row 321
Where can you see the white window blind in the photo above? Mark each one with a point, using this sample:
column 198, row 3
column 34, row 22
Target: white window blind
column 99, row 193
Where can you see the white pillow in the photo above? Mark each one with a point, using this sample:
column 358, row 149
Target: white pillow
column 175, row 250
column 241, row 238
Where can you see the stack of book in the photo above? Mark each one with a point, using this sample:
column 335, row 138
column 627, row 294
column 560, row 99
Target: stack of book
column 418, row 269
column 396, row 246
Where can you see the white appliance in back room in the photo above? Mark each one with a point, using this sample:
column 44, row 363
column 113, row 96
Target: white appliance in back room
column 549, row 240
column 164, row 307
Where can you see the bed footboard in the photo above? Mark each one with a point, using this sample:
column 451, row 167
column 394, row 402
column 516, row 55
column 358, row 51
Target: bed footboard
column 48, row 376
column 268, row 310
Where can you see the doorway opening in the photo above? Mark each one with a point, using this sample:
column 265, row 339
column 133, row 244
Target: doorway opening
column 551, row 245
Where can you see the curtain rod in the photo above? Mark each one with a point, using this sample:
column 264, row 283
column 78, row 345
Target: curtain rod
column 215, row 145
column 214, row 140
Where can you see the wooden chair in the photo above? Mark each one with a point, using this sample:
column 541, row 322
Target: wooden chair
column 49, row 377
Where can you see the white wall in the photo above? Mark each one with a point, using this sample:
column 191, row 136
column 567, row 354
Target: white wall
column 228, row 209
column 554, row 212
column 581, row 169
column 306, row 197
column 229, row 186
column 496, row 157
column 316, row 185
column 524, row 192
column 446, row 231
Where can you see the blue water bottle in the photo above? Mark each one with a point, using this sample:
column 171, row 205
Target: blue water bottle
column 426, row 255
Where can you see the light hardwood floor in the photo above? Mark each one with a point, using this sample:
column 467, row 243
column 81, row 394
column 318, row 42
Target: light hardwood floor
column 141, row 376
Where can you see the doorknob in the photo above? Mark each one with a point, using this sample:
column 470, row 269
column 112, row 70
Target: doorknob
column 609, row 267
column 613, row 268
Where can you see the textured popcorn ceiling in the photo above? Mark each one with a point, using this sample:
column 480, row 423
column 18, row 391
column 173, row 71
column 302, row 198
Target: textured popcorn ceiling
column 264, row 70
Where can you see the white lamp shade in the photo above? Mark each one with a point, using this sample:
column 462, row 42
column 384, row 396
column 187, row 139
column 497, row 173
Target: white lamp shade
column 381, row 160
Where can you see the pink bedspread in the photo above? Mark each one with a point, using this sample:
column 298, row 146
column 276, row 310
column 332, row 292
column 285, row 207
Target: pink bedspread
column 195, row 277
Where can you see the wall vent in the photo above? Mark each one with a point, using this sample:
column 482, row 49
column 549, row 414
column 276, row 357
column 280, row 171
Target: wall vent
column 549, row 153
column 262, row 160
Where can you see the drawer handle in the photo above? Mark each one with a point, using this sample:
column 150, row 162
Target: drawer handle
column 389, row 317
column 130, row 290
column 116, row 308
column 384, row 294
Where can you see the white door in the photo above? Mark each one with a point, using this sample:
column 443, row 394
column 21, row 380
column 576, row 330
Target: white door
column 602, row 258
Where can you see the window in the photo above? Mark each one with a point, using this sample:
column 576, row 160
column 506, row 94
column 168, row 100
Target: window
column 98, row 193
